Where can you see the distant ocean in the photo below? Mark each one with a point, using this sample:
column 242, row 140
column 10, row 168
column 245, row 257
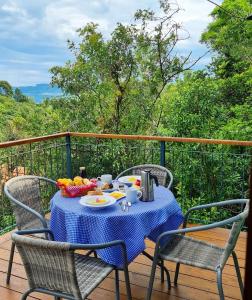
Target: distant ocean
column 41, row 91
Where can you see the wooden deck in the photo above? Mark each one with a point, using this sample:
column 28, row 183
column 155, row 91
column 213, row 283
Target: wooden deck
column 193, row 283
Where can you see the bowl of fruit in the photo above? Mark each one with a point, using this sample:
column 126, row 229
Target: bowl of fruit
column 76, row 187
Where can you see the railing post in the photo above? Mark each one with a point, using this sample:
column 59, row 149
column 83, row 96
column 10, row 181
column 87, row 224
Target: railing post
column 162, row 153
column 68, row 156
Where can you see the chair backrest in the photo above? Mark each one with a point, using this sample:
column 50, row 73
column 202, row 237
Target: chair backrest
column 234, row 234
column 161, row 172
column 25, row 190
column 48, row 264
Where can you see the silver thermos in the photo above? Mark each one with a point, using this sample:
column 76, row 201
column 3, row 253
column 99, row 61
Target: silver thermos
column 147, row 185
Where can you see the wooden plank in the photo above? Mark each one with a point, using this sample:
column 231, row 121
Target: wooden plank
column 185, row 282
column 219, row 233
column 5, row 237
column 33, row 140
column 162, row 138
column 160, row 291
column 126, row 137
column 193, row 283
column 20, row 285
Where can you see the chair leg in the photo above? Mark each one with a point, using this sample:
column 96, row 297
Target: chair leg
column 117, row 287
column 162, row 270
column 152, row 277
column 127, row 282
column 168, row 278
column 10, row 263
column 219, row 283
column 176, row 274
column 25, row 295
column 159, row 264
column 238, row 273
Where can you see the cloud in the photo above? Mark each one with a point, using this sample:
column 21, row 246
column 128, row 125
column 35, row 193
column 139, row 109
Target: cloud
column 63, row 18
column 13, row 8
column 33, row 34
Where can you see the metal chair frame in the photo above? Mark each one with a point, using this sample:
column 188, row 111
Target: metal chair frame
column 16, row 202
column 228, row 250
column 74, row 247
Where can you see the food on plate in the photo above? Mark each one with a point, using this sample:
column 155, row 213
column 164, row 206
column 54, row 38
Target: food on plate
column 132, row 179
column 117, row 194
column 105, row 186
column 100, row 200
column 138, row 182
column 95, row 192
column 97, row 201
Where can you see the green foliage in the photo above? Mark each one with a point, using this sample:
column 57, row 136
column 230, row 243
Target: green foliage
column 19, row 96
column 230, row 36
column 24, row 119
column 239, row 124
column 194, row 107
column 5, row 89
column 197, row 106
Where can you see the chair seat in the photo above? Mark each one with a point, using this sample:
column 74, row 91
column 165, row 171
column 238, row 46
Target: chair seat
column 90, row 272
column 192, row 252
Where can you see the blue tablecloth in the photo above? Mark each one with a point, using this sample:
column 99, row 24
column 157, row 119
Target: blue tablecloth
column 74, row 223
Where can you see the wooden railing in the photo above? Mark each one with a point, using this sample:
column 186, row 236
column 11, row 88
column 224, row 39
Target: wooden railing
column 127, row 137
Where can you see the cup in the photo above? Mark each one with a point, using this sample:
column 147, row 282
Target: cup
column 106, row 178
column 133, row 194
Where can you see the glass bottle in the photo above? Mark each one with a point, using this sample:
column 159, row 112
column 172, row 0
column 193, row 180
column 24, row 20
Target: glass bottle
column 83, row 172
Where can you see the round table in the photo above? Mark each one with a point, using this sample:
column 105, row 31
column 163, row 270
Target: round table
column 74, row 223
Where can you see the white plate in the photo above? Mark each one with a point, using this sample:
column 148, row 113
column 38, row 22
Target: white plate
column 129, row 179
column 92, row 201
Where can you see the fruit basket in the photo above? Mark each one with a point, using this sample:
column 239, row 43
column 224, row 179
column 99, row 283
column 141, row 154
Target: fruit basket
column 75, row 188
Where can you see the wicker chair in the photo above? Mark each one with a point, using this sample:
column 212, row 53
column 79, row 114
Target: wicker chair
column 24, row 193
column 161, row 172
column 54, row 268
column 182, row 249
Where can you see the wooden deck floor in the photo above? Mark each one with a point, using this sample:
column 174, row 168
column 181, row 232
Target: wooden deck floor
column 193, row 283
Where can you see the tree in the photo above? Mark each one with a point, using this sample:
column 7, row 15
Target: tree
column 230, row 36
column 118, row 82
column 5, row 89
column 19, row 96
column 196, row 107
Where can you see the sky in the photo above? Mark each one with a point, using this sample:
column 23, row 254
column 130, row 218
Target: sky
column 33, row 33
